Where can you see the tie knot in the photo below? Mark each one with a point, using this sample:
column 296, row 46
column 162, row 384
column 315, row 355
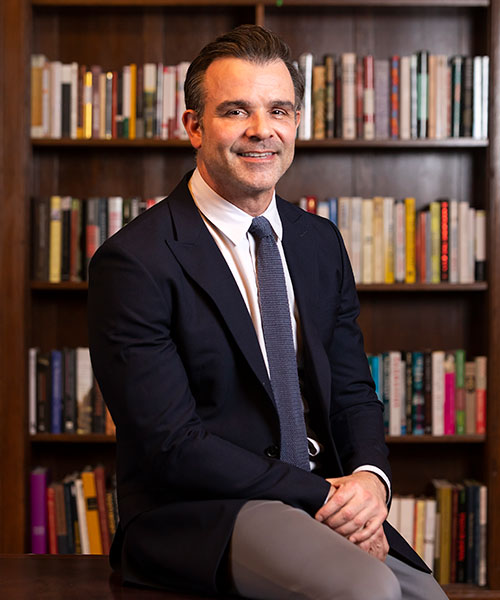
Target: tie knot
column 260, row 228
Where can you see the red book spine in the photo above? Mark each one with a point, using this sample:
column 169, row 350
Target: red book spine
column 311, row 204
column 51, row 519
column 395, row 96
column 445, row 241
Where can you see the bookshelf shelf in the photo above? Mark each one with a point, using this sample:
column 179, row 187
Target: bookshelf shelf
column 72, row 438
column 272, row 3
column 436, row 439
column 482, row 286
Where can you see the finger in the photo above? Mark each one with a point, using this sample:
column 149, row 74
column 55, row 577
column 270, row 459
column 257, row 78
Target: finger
column 366, row 532
column 354, row 525
column 346, row 516
column 335, row 503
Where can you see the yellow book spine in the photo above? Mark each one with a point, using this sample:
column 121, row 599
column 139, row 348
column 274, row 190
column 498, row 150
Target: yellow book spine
column 388, row 225
column 419, row 527
column 445, row 539
column 411, row 267
column 91, row 508
column 133, row 100
column 55, row 240
column 87, row 106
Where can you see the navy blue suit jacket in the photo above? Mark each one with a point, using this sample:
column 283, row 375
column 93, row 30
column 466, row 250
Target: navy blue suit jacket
column 176, row 356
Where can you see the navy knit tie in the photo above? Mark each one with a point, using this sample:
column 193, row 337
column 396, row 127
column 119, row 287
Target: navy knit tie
column 278, row 337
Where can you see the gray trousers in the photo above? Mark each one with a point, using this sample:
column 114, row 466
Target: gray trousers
column 279, row 552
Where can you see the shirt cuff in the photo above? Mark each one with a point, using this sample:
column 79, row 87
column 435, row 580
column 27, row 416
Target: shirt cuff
column 381, row 475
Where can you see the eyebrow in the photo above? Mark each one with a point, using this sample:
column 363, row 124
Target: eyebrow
column 230, row 104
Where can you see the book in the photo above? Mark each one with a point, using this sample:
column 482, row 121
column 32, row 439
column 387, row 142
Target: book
column 84, row 384
column 449, row 393
column 348, row 68
column 394, row 118
column 61, row 523
column 382, row 98
column 55, row 243
column 92, row 510
column 329, row 62
column 438, row 392
column 100, row 485
column 319, row 101
column 443, row 511
column 481, row 385
column 38, row 510
column 56, row 391
column 82, row 516
column 470, row 397
column 460, row 391
column 422, row 93
column 368, row 98
column 51, row 519
column 429, row 532
column 305, row 64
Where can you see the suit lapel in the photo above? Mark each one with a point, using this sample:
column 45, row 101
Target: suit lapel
column 196, row 251
column 301, row 250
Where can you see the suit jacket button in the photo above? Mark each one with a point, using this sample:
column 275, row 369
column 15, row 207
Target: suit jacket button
column 272, row 451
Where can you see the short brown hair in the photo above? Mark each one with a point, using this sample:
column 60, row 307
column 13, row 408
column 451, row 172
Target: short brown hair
column 248, row 42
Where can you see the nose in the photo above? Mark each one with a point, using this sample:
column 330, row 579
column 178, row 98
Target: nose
column 259, row 126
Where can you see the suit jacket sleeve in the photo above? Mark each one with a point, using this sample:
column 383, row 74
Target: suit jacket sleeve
column 356, row 414
column 145, row 384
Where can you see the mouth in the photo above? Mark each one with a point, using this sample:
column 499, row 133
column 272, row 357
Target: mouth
column 257, row 155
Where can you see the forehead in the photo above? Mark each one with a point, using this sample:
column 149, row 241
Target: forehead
column 231, row 78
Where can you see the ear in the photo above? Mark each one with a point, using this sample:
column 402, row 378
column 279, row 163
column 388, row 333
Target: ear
column 297, row 119
column 192, row 125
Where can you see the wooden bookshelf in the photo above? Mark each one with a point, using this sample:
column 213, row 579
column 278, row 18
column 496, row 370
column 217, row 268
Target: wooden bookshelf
column 393, row 316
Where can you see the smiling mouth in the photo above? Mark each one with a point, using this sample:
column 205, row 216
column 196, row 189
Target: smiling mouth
column 256, row 154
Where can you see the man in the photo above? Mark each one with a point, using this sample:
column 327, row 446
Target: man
column 198, row 349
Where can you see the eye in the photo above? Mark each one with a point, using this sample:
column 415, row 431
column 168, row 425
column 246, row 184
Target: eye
column 236, row 112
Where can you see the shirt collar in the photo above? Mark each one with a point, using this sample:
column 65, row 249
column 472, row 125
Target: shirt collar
column 228, row 218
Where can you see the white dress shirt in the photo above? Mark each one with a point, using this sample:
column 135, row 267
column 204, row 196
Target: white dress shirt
column 229, row 226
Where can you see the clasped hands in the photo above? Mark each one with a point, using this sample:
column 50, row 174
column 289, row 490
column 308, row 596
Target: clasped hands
column 356, row 509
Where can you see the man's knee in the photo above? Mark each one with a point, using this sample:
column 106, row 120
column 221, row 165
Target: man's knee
column 375, row 582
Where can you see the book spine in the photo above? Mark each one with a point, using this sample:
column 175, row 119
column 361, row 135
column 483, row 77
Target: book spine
column 481, row 379
column 368, row 98
column 56, row 377
column 394, row 122
column 410, row 246
column 38, row 506
column 348, row 61
column 92, row 512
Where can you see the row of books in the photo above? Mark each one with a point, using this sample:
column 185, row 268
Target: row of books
column 66, row 232
column 77, row 515
column 421, row 95
column 431, row 392
column 70, row 100
column 389, row 241
column 64, row 396
column 447, row 530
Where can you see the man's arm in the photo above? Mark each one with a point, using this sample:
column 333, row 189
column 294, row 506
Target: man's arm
column 356, row 505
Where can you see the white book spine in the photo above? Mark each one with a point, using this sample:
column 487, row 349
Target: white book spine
column 471, row 224
column 348, row 61
column 344, row 221
column 115, row 214
column 32, row 420
column 463, row 243
column 394, row 516
column 480, row 237
column 485, row 63
column 74, row 99
column 306, row 67
column 378, row 240
column 413, row 97
column 400, row 241
column 477, row 98
column 356, row 226
column 395, row 393
column 404, row 98
column 367, row 241
column 55, row 99
column 437, row 392
column 429, row 533
column 82, row 517
column 406, row 522
column 126, row 92
column 84, row 383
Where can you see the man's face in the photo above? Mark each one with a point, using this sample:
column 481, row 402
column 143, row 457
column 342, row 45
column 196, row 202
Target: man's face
column 246, row 137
